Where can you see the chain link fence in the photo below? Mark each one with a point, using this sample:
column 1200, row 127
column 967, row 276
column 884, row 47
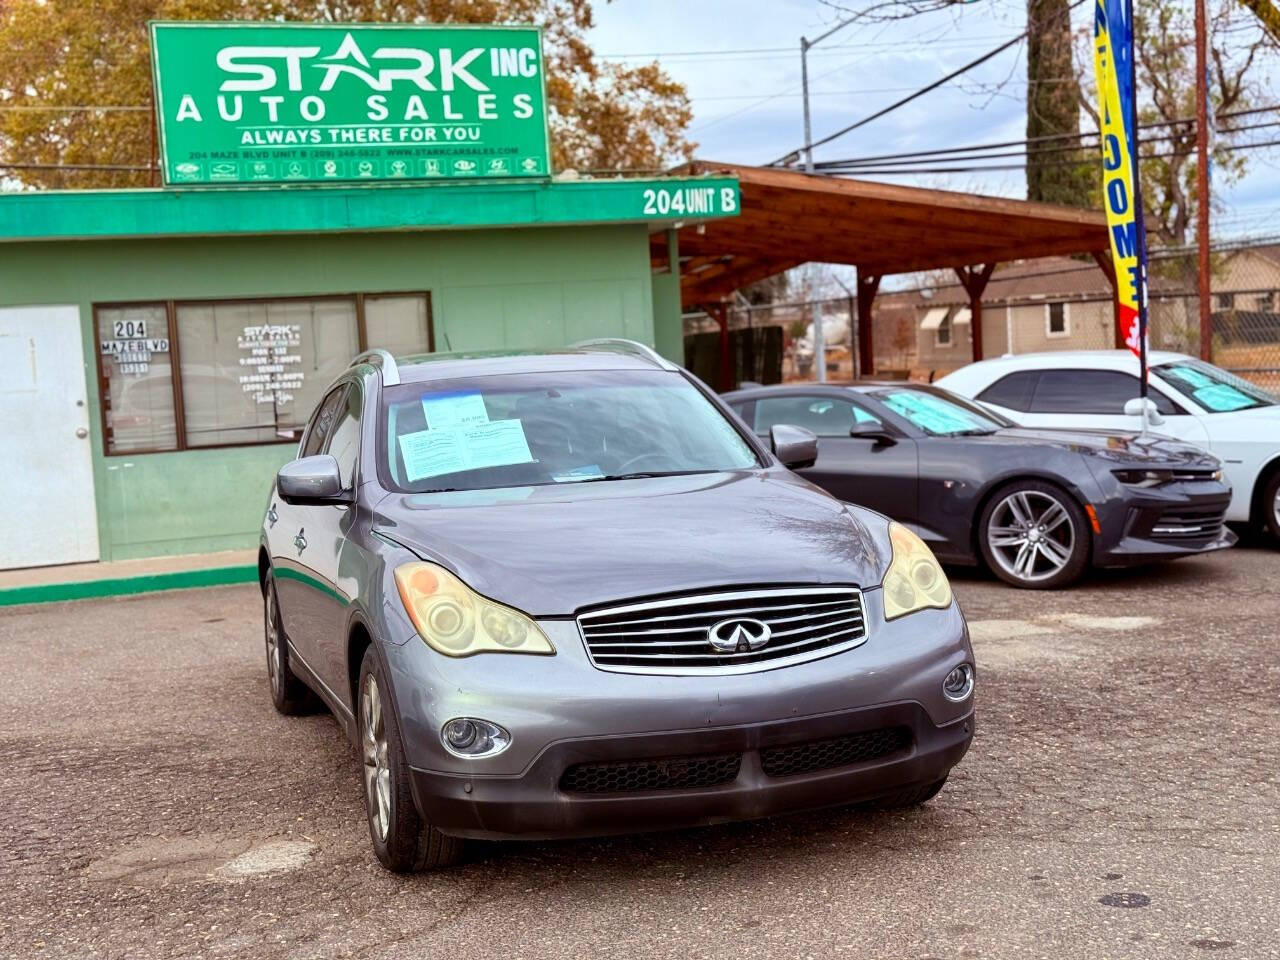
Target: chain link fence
column 926, row 330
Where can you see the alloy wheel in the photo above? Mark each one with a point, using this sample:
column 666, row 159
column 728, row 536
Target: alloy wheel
column 1031, row 535
column 377, row 772
column 1275, row 509
column 273, row 642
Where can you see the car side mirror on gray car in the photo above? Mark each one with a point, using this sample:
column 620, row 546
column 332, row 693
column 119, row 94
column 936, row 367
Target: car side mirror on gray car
column 870, row 430
column 311, row 480
column 795, row 447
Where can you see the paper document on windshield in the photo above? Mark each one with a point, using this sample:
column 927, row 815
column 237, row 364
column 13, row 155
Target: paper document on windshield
column 436, row 452
column 444, row 410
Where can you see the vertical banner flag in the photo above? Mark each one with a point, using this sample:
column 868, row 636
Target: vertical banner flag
column 1113, row 63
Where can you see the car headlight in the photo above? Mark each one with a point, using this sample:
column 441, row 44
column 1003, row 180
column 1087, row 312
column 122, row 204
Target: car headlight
column 914, row 580
column 1143, row 478
column 455, row 620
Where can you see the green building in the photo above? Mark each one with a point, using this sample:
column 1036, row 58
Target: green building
column 160, row 349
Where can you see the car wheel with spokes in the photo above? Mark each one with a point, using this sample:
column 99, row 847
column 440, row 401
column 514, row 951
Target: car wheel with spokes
column 289, row 694
column 402, row 840
column 1033, row 534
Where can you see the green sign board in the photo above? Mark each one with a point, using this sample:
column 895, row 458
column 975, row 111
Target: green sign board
column 329, row 102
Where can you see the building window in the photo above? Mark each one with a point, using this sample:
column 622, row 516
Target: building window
column 942, row 335
column 1057, row 321
column 1225, row 301
column 248, row 371
column 1266, row 302
column 135, row 368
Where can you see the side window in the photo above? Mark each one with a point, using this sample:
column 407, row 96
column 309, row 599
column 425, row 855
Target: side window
column 1090, row 391
column 322, row 423
column 1013, row 391
column 344, row 438
column 825, row 416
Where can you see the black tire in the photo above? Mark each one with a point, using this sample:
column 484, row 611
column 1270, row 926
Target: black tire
column 1269, row 507
column 1048, row 548
column 910, row 797
column 290, row 695
column 410, row 843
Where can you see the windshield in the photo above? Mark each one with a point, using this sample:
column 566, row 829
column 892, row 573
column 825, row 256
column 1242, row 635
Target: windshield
column 1212, row 387
column 940, row 415
column 534, row 429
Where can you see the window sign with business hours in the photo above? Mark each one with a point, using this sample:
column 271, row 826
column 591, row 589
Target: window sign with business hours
column 329, row 103
column 271, row 362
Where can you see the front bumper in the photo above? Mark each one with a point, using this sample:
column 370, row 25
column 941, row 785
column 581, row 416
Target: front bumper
column 562, row 710
column 537, row 805
column 1179, row 521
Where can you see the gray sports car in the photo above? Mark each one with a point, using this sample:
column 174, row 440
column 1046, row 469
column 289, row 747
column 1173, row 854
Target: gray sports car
column 1037, row 506
column 566, row 594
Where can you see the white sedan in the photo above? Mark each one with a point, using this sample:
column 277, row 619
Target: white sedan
column 1196, row 401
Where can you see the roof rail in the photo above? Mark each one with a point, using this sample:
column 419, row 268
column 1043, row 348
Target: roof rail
column 390, row 372
column 631, row 347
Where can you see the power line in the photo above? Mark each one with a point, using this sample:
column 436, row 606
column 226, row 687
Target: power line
column 996, row 168
column 917, row 94
column 1052, row 138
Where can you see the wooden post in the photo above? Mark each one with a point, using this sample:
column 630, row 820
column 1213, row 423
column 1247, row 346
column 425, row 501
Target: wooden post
column 868, row 284
column 974, row 280
column 1108, row 268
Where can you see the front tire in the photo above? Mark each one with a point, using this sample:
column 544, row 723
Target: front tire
column 1034, row 535
column 402, row 840
column 289, row 694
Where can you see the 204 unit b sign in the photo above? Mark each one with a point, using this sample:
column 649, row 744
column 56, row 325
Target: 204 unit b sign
column 285, row 102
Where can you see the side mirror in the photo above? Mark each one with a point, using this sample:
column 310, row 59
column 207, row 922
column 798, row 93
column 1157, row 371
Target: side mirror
column 311, row 480
column 1145, row 408
column 869, row 430
column 796, row 447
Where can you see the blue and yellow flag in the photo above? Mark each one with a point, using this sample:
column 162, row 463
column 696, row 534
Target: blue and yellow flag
column 1121, row 188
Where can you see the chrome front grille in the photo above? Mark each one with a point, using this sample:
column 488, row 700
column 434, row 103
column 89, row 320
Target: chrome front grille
column 672, row 635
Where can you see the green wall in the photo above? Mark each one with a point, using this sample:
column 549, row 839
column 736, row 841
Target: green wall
column 493, row 288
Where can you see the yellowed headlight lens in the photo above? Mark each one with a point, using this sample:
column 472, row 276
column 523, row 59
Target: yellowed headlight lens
column 456, row 621
column 914, row 579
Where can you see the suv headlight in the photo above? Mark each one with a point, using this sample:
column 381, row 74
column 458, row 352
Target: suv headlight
column 455, row 620
column 914, row 579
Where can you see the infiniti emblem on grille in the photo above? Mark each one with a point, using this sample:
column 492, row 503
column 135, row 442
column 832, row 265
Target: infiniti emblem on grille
column 740, row 635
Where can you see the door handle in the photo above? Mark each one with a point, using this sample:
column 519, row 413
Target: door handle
column 300, row 541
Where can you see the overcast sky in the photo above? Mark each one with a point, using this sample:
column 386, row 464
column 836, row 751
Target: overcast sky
column 747, row 105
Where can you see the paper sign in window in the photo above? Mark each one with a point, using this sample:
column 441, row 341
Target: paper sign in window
column 433, row 453
column 447, row 410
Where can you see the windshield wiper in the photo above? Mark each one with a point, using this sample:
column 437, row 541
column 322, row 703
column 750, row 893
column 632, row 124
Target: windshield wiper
column 640, row 475
column 974, row 432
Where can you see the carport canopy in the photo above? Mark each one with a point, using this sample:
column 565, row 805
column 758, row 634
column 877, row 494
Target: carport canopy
column 789, row 218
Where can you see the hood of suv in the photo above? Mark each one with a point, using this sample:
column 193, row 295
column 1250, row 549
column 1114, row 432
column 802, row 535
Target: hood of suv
column 554, row 550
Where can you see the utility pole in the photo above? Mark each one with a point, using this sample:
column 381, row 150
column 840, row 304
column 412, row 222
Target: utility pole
column 815, row 308
column 819, row 338
column 1202, row 183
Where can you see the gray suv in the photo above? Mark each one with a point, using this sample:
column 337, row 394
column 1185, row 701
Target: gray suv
column 568, row 594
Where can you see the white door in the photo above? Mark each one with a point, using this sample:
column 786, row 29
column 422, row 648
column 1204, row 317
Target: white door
column 47, row 510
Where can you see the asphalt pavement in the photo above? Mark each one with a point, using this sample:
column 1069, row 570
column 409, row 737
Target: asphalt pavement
column 1122, row 799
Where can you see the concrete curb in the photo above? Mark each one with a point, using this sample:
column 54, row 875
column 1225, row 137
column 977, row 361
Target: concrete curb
column 123, row 586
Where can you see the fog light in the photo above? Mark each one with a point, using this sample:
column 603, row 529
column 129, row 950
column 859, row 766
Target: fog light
column 471, row 738
column 959, row 683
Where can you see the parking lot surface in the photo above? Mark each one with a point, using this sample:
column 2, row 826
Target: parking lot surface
column 1122, row 799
